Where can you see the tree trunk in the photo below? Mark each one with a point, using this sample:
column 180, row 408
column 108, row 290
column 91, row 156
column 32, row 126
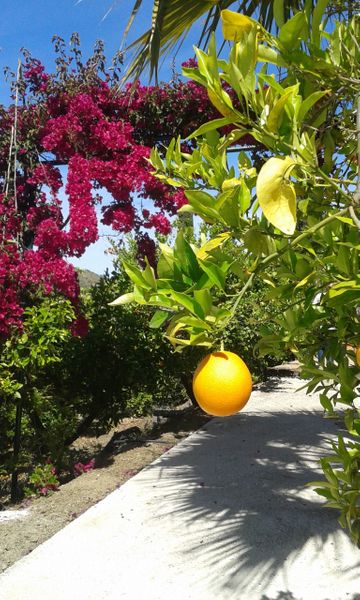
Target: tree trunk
column 16, row 452
column 83, row 426
column 187, row 383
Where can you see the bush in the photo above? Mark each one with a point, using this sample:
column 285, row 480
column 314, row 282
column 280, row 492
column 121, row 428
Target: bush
column 121, row 368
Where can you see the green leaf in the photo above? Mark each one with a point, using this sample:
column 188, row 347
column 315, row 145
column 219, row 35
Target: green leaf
column 243, row 196
column 204, row 298
column 203, row 204
column 186, row 258
column 192, row 322
column 228, row 208
column 258, row 242
column 293, row 32
column 271, row 81
column 212, row 244
column 215, row 274
column 210, row 126
column 279, row 13
column 196, row 340
column 344, row 292
column 160, row 300
column 343, row 260
column 274, row 119
column 309, row 102
column 318, row 13
column 136, row 276
column 326, row 403
column 266, row 54
column 165, row 267
column 155, row 160
column 222, row 102
column 124, row 299
column 324, row 484
column 158, row 319
column 149, row 274
column 189, row 303
column 329, row 150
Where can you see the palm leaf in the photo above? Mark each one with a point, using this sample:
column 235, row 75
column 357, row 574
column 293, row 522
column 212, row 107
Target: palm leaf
column 172, row 19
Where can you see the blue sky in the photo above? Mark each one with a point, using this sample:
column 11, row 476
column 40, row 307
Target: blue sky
column 32, row 23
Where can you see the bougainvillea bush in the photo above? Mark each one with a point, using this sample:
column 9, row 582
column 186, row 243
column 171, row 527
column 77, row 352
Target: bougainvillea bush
column 73, row 132
column 77, row 117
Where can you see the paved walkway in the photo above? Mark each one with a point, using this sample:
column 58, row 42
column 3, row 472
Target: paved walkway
column 223, row 515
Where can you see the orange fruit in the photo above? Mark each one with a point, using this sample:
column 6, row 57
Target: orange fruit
column 357, row 356
column 222, row 384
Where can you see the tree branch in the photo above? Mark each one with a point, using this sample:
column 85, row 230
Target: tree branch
column 357, row 192
column 277, row 254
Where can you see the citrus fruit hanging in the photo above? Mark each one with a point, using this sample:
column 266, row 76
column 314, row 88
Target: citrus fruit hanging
column 357, row 356
column 222, row 384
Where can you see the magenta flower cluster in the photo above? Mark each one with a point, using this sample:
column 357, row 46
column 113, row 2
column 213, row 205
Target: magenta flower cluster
column 80, row 468
column 104, row 138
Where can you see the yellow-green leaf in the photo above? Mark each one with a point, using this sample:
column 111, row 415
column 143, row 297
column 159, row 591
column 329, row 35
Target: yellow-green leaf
column 276, row 194
column 212, row 244
column 124, row 299
column 274, row 119
column 234, row 25
column 228, row 184
column 222, row 102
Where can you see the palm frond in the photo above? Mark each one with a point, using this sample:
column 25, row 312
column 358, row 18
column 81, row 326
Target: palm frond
column 172, row 19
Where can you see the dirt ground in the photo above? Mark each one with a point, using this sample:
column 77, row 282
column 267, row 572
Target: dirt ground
column 40, row 518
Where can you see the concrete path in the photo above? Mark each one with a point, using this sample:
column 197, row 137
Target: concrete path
column 223, row 515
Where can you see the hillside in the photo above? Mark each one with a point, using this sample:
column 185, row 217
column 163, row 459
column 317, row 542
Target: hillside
column 87, row 278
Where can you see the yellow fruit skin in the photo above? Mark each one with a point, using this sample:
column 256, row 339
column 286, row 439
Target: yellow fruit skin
column 357, row 354
column 222, row 384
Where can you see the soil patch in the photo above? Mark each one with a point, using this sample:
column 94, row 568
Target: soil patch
column 117, row 459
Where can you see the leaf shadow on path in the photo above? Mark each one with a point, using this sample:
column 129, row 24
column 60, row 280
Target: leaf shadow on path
column 290, row 596
column 241, row 509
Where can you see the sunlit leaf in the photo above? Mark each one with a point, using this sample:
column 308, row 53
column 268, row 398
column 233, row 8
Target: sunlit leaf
column 279, row 12
column 318, row 13
column 309, row 102
column 189, row 303
column 276, row 194
column 222, row 102
column 210, row 126
column 158, row 319
column 234, row 25
column 293, row 31
column 212, row 244
column 124, row 299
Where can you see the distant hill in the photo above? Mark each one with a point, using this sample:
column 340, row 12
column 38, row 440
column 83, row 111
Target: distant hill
column 87, row 278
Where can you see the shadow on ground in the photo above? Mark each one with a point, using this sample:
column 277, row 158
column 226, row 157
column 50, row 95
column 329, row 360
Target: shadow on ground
column 239, row 497
column 290, row 596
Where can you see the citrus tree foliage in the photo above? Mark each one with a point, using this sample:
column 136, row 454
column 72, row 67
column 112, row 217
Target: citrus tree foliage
column 293, row 212
column 172, row 19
